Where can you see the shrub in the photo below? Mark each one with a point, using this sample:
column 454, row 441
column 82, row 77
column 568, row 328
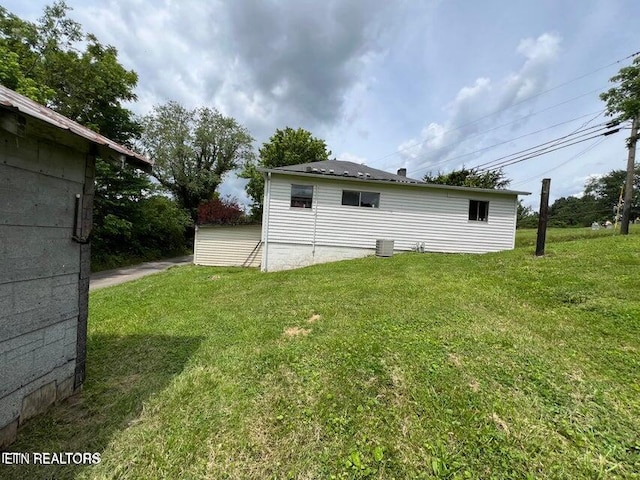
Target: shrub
column 221, row 211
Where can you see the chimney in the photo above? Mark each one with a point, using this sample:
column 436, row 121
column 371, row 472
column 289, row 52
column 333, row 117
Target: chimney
column 402, row 172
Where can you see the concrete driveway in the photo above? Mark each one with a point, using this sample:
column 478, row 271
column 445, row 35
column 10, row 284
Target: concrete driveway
column 126, row 274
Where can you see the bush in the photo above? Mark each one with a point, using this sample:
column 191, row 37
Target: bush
column 221, row 211
column 163, row 226
column 147, row 229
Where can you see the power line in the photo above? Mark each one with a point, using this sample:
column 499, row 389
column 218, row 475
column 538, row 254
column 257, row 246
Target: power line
column 514, row 139
column 548, row 144
column 537, row 154
column 519, row 119
column 543, row 151
column 571, row 159
column 516, row 104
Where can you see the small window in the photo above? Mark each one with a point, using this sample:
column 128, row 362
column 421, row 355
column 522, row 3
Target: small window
column 478, row 211
column 301, row 196
column 361, row 199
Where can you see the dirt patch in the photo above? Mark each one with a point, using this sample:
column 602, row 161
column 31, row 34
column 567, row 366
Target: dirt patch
column 214, row 277
column 501, row 423
column 455, row 360
column 576, row 376
column 474, row 385
column 314, row 318
column 296, row 332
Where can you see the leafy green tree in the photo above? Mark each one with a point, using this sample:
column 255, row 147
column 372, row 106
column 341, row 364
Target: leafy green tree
column 623, row 101
column 470, row 177
column 160, row 227
column 54, row 62
column 21, row 58
column 285, row 147
column 193, row 150
column 116, row 202
column 606, row 191
column 598, row 204
column 577, row 212
column 526, row 217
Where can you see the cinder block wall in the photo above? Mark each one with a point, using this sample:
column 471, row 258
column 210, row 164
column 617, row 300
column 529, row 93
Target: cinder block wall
column 40, row 273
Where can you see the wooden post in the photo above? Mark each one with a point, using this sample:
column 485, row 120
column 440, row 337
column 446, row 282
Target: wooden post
column 628, row 189
column 543, row 217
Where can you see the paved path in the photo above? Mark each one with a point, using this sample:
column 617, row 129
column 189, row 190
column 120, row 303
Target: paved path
column 126, row 274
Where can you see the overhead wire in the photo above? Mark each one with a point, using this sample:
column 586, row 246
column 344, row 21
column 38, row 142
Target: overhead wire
column 506, row 141
column 519, row 119
column 560, row 165
column 545, row 151
column 548, row 144
column 484, row 149
column 516, row 104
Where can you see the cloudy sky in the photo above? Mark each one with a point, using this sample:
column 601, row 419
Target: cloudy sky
column 427, row 85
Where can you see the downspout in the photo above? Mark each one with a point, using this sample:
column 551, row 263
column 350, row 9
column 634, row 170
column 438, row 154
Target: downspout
column 265, row 222
column 315, row 220
column 515, row 225
column 195, row 247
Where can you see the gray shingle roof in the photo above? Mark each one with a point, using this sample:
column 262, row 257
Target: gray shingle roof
column 341, row 168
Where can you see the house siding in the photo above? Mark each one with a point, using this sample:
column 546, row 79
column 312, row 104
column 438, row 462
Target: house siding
column 232, row 246
column 407, row 214
column 39, row 270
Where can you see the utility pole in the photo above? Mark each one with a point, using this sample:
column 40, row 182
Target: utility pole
column 543, row 216
column 628, row 189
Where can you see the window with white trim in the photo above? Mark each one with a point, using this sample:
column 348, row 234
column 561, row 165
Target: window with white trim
column 361, row 199
column 301, row 196
column 478, row 211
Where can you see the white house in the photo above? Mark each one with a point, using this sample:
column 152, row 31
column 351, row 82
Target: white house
column 334, row 210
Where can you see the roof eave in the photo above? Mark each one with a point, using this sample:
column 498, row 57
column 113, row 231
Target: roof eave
column 391, row 182
column 14, row 102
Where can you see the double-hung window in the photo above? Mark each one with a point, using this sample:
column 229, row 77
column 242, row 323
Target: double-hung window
column 361, row 199
column 478, row 211
column 301, row 196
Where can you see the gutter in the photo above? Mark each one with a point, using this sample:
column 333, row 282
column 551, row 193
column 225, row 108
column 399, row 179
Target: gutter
column 316, row 189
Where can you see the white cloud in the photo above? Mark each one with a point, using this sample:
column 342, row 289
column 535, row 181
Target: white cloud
column 439, row 142
column 350, row 157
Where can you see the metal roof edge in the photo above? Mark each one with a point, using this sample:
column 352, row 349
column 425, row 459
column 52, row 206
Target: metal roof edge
column 11, row 100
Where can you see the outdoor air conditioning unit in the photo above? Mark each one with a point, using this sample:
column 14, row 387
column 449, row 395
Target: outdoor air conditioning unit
column 384, row 248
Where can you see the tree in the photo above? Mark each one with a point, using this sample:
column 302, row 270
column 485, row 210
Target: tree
column 54, row 62
column 605, row 190
column 577, row 212
column 623, row 103
column 526, row 217
column 21, row 57
column 193, row 150
column 285, row 147
column 598, row 203
column 470, row 177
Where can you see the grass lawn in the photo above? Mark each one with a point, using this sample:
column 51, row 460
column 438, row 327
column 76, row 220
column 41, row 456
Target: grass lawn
column 527, row 237
column 417, row 366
